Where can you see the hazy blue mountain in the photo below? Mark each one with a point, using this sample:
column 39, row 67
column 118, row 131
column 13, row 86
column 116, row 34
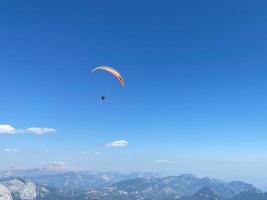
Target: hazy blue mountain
column 204, row 194
column 174, row 187
column 82, row 179
column 250, row 195
column 47, row 169
column 63, row 176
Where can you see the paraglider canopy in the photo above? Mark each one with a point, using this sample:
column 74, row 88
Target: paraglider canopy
column 113, row 71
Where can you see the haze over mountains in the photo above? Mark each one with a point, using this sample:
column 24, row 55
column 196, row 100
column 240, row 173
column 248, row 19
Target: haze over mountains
column 59, row 181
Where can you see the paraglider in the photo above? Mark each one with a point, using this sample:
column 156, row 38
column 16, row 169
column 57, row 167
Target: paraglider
column 112, row 71
column 103, row 98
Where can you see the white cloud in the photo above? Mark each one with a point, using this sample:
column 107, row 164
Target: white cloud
column 170, row 162
column 7, row 129
column 118, row 143
column 12, row 150
column 40, row 131
column 92, row 153
column 165, row 161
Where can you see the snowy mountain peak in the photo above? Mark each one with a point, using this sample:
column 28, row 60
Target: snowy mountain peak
column 57, row 167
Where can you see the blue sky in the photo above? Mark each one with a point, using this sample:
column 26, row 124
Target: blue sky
column 195, row 90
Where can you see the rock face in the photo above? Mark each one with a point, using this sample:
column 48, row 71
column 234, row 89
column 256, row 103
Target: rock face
column 19, row 189
column 4, row 193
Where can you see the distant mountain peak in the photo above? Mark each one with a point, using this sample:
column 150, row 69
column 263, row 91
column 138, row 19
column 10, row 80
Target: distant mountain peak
column 192, row 176
column 58, row 167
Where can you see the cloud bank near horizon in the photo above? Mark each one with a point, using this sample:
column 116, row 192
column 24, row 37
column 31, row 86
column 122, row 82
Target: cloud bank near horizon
column 7, row 129
column 12, row 150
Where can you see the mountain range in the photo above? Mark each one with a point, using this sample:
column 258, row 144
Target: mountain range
column 56, row 182
column 174, row 187
column 61, row 175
